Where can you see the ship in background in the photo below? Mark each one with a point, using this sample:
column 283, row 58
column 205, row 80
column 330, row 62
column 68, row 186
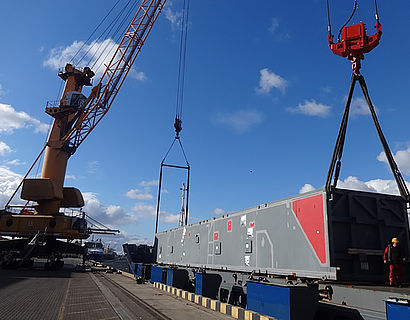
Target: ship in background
column 136, row 258
column 97, row 252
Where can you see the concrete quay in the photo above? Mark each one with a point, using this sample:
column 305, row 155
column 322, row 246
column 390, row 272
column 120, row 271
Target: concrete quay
column 35, row 293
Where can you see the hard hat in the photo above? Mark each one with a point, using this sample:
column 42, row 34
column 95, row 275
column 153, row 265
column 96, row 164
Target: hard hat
column 394, row 240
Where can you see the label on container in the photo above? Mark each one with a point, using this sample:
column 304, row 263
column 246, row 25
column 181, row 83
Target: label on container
column 243, row 220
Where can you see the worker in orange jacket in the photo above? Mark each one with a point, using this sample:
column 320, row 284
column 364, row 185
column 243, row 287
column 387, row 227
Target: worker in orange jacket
column 393, row 256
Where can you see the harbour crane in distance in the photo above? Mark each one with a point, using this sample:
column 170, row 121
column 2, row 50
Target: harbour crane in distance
column 75, row 116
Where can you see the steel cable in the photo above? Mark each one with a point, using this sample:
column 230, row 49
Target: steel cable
column 182, row 59
column 113, row 35
column 96, row 28
column 328, row 17
column 107, row 33
column 348, row 20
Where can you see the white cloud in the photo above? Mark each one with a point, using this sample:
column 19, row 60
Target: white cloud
column 111, row 215
column 269, row 80
column 138, row 194
column 384, row 186
column 138, row 75
column 402, row 158
column 58, row 57
column 171, row 218
column 306, row 188
column 240, row 121
column 311, row 108
column 277, row 30
column 144, row 194
column 11, row 120
column 16, row 162
column 144, row 210
column 151, row 183
column 9, row 182
column 92, row 166
column 97, row 53
column 71, row 176
column 327, row 89
column 359, row 107
column 174, row 17
column 353, row 183
column 4, row 148
column 375, row 185
column 274, row 25
column 148, row 211
column 219, row 211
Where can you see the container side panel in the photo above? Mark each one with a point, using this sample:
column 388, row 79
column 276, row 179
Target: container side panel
column 309, row 212
column 269, row 238
column 361, row 225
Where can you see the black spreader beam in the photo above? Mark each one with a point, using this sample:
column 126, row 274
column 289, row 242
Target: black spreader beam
column 187, row 167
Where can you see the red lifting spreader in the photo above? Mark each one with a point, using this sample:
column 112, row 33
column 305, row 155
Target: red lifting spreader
column 355, row 43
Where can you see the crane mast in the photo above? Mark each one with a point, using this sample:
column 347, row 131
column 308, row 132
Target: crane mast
column 75, row 116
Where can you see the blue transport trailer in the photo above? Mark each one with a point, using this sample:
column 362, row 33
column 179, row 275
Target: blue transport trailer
column 397, row 309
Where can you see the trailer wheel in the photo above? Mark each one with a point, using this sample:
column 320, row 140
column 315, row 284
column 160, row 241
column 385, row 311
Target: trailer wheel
column 237, row 297
column 223, row 295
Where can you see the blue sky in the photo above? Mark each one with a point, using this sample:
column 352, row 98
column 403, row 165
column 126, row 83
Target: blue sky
column 263, row 101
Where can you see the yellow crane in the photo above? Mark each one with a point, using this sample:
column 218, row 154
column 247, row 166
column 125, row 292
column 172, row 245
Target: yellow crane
column 75, row 116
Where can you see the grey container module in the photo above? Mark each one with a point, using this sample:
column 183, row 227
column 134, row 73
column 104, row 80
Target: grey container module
column 337, row 236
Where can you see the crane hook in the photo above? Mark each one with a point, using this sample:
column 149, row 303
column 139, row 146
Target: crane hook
column 177, row 126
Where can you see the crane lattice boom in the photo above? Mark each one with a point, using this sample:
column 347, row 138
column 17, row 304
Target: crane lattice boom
column 104, row 93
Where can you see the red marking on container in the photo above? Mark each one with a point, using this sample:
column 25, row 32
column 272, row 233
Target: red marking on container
column 229, row 225
column 181, row 259
column 309, row 212
column 189, row 234
column 216, row 236
column 252, row 223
